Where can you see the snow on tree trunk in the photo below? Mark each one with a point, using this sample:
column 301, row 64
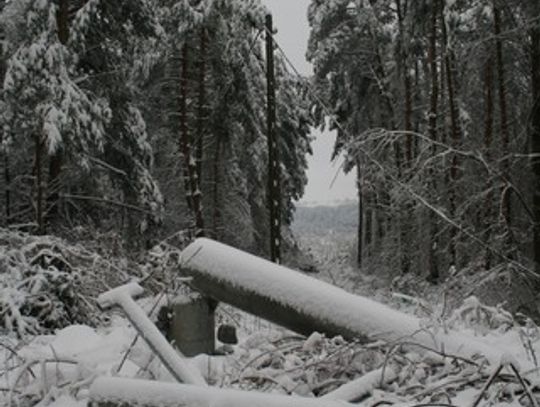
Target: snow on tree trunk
column 304, row 304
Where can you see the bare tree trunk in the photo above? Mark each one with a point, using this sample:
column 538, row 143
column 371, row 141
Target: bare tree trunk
column 368, row 223
column 408, row 118
column 39, row 185
column 56, row 160
column 455, row 130
column 503, row 111
column 388, row 119
column 193, row 193
column 7, row 190
column 404, row 61
column 488, row 139
column 7, row 177
column 432, row 124
column 274, row 176
column 201, row 108
column 535, row 131
column 184, row 135
column 404, row 245
column 216, row 192
column 359, row 246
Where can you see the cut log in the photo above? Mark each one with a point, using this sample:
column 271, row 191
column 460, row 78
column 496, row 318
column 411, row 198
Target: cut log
column 305, row 305
column 109, row 391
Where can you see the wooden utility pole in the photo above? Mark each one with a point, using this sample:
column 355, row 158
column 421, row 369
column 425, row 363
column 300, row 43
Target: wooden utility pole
column 191, row 183
column 274, row 189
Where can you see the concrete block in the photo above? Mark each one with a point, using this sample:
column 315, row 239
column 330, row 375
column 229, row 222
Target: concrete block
column 193, row 326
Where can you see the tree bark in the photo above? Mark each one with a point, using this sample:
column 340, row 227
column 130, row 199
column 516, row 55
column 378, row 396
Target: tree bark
column 184, row 135
column 432, row 125
column 359, row 246
column 7, row 190
column 7, row 177
column 56, row 160
column 407, row 116
column 274, row 178
column 193, row 193
column 488, row 139
column 216, row 191
column 403, row 61
column 201, row 108
column 535, row 131
column 503, row 111
column 455, row 129
column 39, row 185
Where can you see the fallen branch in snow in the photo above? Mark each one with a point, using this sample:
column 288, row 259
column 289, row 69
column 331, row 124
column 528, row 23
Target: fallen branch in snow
column 494, row 376
column 525, row 386
column 146, row 393
column 27, row 367
column 359, row 388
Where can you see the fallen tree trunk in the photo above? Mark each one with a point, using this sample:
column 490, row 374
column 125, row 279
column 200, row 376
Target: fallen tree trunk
column 107, row 391
column 305, row 305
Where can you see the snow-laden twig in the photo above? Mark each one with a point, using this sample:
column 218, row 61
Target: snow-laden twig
column 359, row 388
column 525, row 386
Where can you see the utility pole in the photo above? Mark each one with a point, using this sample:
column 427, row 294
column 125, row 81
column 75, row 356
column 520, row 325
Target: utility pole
column 274, row 188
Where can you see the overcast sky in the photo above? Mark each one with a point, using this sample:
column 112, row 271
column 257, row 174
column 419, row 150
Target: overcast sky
column 290, row 19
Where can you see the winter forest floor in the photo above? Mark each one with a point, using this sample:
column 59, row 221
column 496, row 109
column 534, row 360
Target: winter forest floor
column 57, row 369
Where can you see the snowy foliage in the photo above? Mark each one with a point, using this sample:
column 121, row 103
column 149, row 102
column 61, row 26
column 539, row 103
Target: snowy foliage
column 47, row 284
column 42, row 98
column 73, row 100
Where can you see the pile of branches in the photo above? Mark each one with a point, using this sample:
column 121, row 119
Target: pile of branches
column 46, row 283
column 380, row 373
column 308, row 367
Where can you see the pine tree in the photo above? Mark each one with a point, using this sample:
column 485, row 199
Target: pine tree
column 223, row 118
column 424, row 133
column 69, row 66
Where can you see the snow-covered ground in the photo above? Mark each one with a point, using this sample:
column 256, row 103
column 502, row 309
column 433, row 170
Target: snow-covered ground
column 58, row 369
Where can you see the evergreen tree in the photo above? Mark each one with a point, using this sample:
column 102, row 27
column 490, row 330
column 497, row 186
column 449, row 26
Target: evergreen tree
column 69, row 89
column 435, row 146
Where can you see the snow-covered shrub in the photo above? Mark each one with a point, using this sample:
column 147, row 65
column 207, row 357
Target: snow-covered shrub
column 46, row 283
column 480, row 317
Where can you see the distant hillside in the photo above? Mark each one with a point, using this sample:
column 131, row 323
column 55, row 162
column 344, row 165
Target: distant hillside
column 322, row 219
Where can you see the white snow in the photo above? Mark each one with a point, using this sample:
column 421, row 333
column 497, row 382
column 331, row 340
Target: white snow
column 322, row 300
column 66, row 363
column 314, row 340
column 362, row 386
column 138, row 392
